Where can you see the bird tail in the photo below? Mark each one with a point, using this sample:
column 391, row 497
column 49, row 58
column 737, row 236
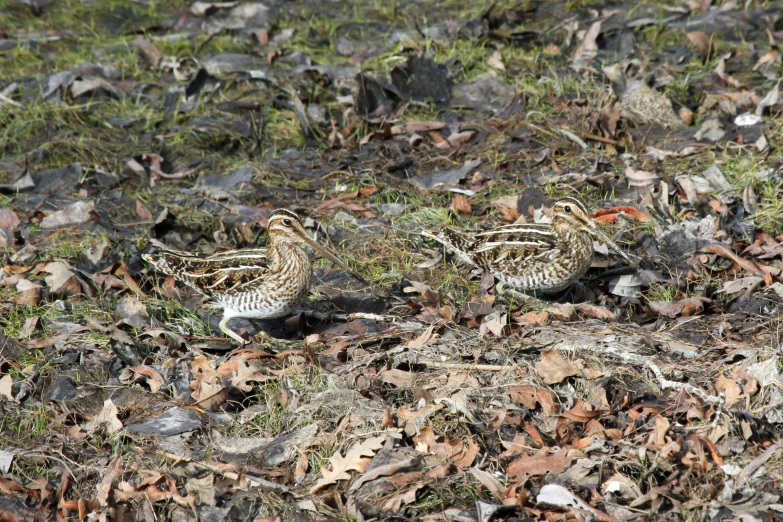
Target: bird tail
column 166, row 260
column 458, row 242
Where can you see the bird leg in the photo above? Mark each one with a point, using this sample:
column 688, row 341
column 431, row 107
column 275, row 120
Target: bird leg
column 229, row 332
column 502, row 289
column 262, row 338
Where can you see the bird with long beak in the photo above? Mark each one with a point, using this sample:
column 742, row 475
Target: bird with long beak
column 257, row 283
column 535, row 259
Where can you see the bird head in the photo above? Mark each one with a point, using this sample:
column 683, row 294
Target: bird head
column 285, row 227
column 572, row 213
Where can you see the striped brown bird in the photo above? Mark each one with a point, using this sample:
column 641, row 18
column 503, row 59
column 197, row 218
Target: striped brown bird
column 257, row 283
column 533, row 258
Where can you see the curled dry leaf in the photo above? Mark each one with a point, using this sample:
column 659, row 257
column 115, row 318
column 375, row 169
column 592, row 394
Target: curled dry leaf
column 489, row 482
column 596, row 312
column 8, row 223
column 609, row 215
column 460, row 204
column 61, row 280
column 673, row 309
column 459, row 452
column 113, row 472
column 701, row 42
column 729, row 388
column 640, row 178
column 720, row 70
column 588, row 48
column 27, row 293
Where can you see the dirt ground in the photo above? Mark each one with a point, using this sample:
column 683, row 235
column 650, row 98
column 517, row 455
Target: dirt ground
column 648, row 393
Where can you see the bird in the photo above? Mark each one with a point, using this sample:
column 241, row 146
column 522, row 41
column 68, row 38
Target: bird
column 541, row 258
column 252, row 283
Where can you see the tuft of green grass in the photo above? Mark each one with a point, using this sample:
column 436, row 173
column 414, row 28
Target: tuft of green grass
column 661, row 292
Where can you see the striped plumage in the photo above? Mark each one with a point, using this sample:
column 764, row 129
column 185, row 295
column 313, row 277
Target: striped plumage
column 535, row 258
column 259, row 283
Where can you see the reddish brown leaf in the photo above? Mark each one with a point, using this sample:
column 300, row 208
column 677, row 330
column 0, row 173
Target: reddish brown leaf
column 150, row 51
column 596, row 312
column 143, row 212
column 701, row 42
column 724, row 251
column 609, row 215
column 542, row 463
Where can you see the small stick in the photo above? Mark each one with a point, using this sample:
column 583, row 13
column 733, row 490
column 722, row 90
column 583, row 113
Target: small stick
column 466, row 366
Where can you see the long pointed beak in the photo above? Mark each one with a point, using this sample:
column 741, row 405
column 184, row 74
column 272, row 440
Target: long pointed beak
column 611, row 244
column 331, row 257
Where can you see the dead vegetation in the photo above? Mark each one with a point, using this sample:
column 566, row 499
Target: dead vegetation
column 639, row 395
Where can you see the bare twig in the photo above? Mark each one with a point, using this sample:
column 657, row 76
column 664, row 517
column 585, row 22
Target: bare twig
column 466, row 366
column 351, row 317
column 755, row 464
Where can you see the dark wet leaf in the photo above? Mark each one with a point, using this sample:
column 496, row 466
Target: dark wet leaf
column 421, row 79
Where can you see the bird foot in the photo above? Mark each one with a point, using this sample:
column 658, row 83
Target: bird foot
column 266, row 340
column 505, row 291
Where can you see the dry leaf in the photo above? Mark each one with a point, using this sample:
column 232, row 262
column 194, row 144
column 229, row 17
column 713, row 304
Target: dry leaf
column 640, row 178
column 423, row 339
column 143, row 212
column 495, row 61
column 79, row 213
column 113, row 472
column 460, row 204
column 105, row 419
column 460, row 453
column 61, row 280
column 27, row 292
column 588, row 48
column 8, row 222
column 399, row 378
column 489, row 482
column 542, row 463
column 553, row 367
column 596, row 312
column 530, row 396
column 674, row 309
column 302, row 464
column 729, row 388
column 6, row 387
column 701, row 42
column 609, row 215
column 508, row 207
column 357, row 458
column 720, row 70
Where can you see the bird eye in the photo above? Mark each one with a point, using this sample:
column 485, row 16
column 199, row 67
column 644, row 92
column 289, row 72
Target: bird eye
column 287, row 222
column 567, row 209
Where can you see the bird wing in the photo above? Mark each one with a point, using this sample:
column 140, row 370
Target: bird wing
column 221, row 273
column 519, row 243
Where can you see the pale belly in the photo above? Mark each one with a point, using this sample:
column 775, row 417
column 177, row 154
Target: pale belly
column 265, row 303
